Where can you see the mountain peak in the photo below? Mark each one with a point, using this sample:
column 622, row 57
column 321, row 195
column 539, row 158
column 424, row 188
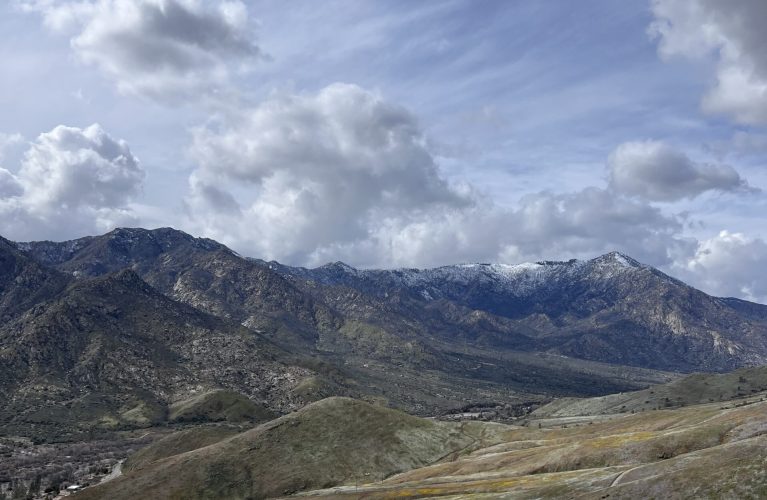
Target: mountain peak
column 339, row 266
column 617, row 258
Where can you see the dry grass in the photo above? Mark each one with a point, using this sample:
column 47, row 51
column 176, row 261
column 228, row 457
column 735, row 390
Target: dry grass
column 342, row 448
column 335, row 441
column 703, row 451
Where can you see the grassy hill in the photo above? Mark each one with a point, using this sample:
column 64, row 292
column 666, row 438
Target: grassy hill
column 588, row 448
column 218, row 405
column 334, row 441
column 343, row 448
column 693, row 389
column 701, row 451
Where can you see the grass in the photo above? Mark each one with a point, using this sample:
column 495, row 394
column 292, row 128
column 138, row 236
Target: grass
column 343, row 448
column 691, row 390
column 218, row 405
column 703, row 451
column 331, row 442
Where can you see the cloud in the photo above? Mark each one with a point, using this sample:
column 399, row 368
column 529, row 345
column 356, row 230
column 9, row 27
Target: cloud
column 730, row 264
column 344, row 174
column 70, row 180
column 308, row 171
column 164, row 49
column 10, row 187
column 657, row 172
column 8, row 141
column 592, row 221
column 581, row 224
column 730, row 32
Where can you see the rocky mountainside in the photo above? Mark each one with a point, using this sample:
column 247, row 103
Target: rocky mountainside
column 427, row 341
column 611, row 309
column 112, row 352
column 374, row 341
column 24, row 282
column 196, row 271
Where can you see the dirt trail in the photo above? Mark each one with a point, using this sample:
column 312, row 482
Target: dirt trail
column 116, row 472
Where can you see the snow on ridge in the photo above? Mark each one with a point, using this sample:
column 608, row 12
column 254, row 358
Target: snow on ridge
column 521, row 278
column 518, row 279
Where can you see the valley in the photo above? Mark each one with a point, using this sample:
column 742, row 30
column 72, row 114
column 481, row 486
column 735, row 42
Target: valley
column 199, row 373
column 709, row 450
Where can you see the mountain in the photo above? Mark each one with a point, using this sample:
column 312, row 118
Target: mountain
column 611, row 309
column 533, row 328
column 341, row 448
column 431, row 340
column 158, row 330
column 196, row 271
column 334, row 441
column 112, row 352
column 417, row 357
column 24, row 282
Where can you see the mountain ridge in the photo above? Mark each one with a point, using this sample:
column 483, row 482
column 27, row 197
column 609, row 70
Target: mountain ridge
column 609, row 309
column 142, row 329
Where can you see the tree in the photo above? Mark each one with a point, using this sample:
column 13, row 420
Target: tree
column 34, row 486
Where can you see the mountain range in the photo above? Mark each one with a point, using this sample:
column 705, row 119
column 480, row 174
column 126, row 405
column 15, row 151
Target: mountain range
column 121, row 338
column 117, row 328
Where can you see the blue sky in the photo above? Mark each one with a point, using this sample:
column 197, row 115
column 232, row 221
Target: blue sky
column 396, row 133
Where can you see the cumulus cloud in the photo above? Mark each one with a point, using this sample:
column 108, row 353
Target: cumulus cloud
column 733, row 34
column 164, row 49
column 344, row 174
column 593, row 221
column 581, row 224
column 730, row 264
column 10, row 187
column 8, row 141
column 656, row 171
column 315, row 170
column 70, row 180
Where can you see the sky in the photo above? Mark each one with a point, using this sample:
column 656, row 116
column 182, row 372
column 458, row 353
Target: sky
column 396, row 133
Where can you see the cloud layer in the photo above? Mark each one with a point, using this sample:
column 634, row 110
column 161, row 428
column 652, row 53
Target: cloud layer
column 164, row 49
column 657, row 172
column 309, row 176
column 70, row 180
column 345, row 174
column 308, row 171
column 730, row 32
column 731, row 264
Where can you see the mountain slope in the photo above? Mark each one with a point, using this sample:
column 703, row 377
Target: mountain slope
column 610, row 309
column 333, row 441
column 694, row 389
column 350, row 449
column 703, row 451
column 199, row 272
column 374, row 341
column 24, row 282
column 112, row 352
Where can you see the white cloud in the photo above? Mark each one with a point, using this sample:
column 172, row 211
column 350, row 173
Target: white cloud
column 70, row 180
column 657, row 172
column 314, row 170
column 733, row 34
column 10, row 187
column 8, row 141
column 730, row 264
column 593, row 221
column 343, row 174
column 544, row 226
column 164, row 49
